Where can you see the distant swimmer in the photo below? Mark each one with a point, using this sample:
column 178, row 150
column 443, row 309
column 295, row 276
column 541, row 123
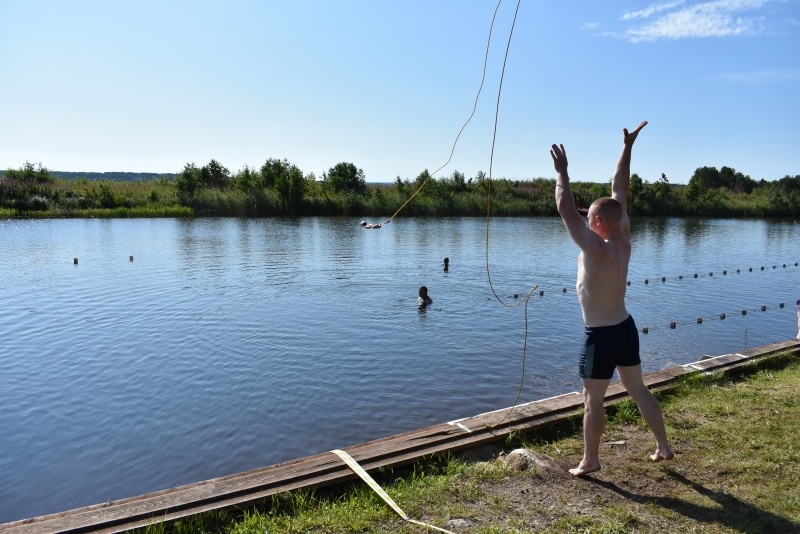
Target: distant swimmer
column 424, row 299
column 365, row 224
column 446, row 264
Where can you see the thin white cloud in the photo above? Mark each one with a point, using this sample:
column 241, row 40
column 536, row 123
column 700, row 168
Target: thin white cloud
column 591, row 25
column 762, row 77
column 651, row 10
column 676, row 20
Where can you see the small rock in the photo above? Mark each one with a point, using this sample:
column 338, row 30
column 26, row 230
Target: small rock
column 518, row 461
column 524, row 459
column 459, row 523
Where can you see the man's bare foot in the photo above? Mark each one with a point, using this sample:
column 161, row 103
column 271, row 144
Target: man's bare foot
column 584, row 469
column 659, row 456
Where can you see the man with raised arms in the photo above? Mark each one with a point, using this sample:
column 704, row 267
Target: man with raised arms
column 611, row 340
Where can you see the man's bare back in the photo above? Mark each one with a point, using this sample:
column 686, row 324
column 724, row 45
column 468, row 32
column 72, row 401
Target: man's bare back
column 601, row 283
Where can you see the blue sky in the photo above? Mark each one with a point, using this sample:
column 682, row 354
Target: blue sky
column 147, row 86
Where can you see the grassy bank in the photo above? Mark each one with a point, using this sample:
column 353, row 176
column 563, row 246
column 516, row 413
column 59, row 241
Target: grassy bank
column 738, row 459
column 280, row 189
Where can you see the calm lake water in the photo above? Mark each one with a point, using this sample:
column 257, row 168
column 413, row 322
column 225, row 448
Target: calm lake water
column 232, row 344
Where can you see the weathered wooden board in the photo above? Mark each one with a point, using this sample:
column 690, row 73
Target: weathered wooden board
column 243, row 489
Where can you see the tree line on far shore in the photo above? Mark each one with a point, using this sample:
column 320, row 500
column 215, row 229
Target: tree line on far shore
column 279, row 188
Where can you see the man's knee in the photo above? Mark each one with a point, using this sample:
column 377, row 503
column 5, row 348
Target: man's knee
column 594, row 391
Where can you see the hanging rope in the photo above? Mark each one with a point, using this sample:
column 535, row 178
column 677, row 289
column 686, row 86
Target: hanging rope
column 527, row 297
column 453, row 149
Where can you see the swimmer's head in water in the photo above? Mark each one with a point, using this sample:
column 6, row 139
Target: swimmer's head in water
column 363, row 223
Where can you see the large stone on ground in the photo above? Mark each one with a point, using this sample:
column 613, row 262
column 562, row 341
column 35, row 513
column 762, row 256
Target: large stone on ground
column 526, row 459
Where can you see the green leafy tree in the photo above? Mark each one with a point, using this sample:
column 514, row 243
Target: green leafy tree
column 106, row 195
column 694, row 191
column 457, row 181
column 636, row 185
column 247, row 180
column 215, row 175
column 661, row 191
column 422, row 178
column 400, row 186
column 706, row 178
column 736, row 181
column 188, row 182
column 272, row 170
column 345, row 177
column 290, row 186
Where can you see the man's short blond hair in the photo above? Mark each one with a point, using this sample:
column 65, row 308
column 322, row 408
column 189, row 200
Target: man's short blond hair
column 608, row 209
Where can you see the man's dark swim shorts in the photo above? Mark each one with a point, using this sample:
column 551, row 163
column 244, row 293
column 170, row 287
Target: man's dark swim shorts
column 606, row 347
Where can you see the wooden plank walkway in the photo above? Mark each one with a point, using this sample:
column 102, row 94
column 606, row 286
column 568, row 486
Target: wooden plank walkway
column 251, row 487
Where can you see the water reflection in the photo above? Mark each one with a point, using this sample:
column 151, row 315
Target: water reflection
column 694, row 230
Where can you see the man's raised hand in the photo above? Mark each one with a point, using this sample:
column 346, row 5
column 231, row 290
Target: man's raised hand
column 559, row 158
column 629, row 138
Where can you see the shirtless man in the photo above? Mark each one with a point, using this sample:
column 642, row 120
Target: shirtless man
column 612, row 340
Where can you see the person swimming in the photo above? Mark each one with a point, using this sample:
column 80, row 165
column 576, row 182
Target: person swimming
column 424, row 299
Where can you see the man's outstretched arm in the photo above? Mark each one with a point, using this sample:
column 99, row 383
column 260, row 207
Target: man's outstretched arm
column 586, row 239
column 565, row 202
column 620, row 184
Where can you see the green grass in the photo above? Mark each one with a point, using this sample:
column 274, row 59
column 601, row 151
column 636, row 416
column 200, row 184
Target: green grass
column 738, row 463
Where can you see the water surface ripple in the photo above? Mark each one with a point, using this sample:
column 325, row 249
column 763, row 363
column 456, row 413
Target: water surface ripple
column 232, row 344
